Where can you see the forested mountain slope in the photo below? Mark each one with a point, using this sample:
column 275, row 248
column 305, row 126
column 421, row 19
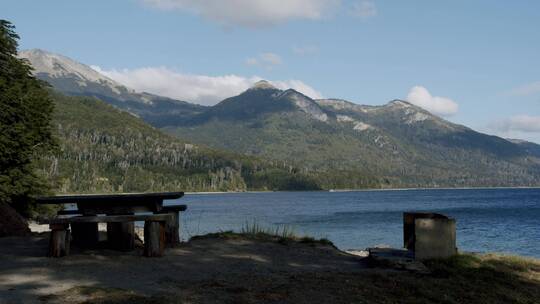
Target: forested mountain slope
column 399, row 143
column 338, row 143
column 103, row 149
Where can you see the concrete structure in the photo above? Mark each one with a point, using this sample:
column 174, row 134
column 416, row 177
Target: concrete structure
column 429, row 235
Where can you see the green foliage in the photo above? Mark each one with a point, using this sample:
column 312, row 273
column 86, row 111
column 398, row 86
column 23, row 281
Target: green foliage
column 103, row 149
column 25, row 129
column 400, row 145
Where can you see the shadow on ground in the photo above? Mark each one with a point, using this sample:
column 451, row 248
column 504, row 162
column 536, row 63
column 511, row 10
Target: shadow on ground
column 27, row 276
column 237, row 269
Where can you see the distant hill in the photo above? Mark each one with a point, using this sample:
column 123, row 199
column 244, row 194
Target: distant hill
column 530, row 147
column 339, row 143
column 398, row 142
column 107, row 150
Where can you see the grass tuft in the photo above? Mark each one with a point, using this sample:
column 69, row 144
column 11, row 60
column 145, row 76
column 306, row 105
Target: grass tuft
column 281, row 234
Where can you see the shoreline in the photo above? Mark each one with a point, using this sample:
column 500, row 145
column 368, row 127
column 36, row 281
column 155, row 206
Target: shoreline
column 365, row 190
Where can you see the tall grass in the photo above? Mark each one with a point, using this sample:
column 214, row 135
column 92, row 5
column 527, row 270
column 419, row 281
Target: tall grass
column 254, row 229
column 283, row 234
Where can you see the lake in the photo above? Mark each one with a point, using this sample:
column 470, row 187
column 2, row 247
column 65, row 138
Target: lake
column 488, row 220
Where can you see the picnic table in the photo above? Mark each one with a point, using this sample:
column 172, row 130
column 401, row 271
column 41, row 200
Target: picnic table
column 120, row 212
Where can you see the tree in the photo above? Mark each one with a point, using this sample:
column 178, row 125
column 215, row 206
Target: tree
column 25, row 125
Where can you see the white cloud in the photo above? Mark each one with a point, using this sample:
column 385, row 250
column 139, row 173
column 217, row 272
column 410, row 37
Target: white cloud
column 525, row 127
column 443, row 106
column 305, row 50
column 518, row 123
column 201, row 89
column 298, row 86
column 364, row 9
column 526, row 89
column 250, row 13
column 266, row 60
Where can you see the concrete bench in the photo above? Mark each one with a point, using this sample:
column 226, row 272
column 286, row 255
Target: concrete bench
column 154, row 231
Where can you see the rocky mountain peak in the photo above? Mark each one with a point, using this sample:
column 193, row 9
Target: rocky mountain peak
column 58, row 66
column 262, row 84
column 400, row 103
column 305, row 104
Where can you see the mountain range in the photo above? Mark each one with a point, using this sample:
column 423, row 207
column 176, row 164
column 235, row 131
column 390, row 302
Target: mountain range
column 76, row 79
column 397, row 144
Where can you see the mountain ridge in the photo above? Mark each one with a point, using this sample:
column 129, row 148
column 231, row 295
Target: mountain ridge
column 398, row 142
column 76, row 79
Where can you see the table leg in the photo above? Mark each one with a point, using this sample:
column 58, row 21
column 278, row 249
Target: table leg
column 59, row 241
column 172, row 229
column 121, row 236
column 85, row 235
column 154, row 239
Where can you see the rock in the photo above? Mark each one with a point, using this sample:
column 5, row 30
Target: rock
column 400, row 259
column 360, row 253
column 11, row 222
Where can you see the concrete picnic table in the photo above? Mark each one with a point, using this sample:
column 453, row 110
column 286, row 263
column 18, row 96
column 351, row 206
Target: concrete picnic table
column 119, row 211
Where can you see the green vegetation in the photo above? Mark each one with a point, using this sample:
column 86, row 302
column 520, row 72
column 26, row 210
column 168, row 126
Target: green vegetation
column 25, row 126
column 317, row 144
column 103, row 149
column 255, row 231
column 396, row 145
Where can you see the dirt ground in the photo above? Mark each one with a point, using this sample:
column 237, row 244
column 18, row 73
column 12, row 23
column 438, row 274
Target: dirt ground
column 235, row 268
column 197, row 270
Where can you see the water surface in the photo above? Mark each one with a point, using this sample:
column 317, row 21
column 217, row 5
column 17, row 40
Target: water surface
column 491, row 220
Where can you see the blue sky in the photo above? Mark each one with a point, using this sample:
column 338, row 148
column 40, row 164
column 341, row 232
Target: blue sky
column 480, row 57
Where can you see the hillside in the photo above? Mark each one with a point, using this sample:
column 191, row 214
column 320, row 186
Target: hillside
column 398, row 142
column 338, row 143
column 107, row 150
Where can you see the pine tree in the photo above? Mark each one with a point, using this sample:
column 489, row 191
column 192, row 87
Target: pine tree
column 25, row 125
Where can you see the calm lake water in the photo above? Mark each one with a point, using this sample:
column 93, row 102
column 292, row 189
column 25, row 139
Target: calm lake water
column 494, row 220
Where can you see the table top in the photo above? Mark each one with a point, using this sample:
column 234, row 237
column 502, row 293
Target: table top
column 121, row 198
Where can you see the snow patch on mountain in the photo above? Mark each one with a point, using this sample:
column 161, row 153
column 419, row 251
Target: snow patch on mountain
column 340, row 104
column 344, row 118
column 360, row 126
column 357, row 125
column 306, row 104
column 400, row 103
column 417, row 117
column 58, row 66
column 262, row 84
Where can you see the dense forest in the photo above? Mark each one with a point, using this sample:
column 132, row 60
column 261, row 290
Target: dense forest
column 25, row 125
column 103, row 149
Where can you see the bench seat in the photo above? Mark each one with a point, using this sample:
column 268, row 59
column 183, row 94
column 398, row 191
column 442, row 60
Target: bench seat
column 154, row 230
column 172, row 226
column 108, row 219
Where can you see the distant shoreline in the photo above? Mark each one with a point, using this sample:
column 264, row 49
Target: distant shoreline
column 362, row 190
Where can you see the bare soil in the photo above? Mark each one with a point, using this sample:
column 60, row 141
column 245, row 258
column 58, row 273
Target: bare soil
column 232, row 268
column 27, row 276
